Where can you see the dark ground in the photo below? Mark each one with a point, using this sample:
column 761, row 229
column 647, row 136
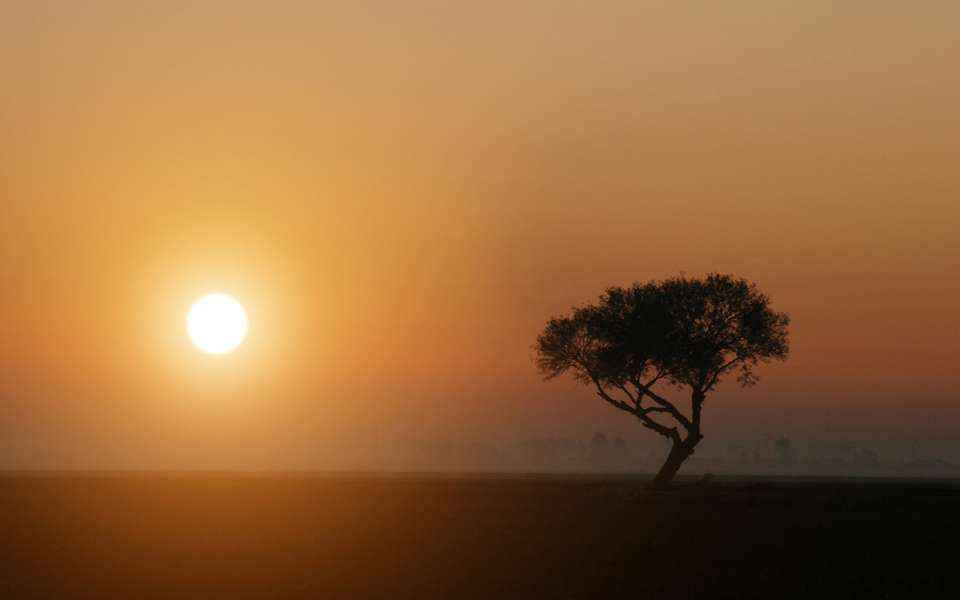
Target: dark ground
column 286, row 536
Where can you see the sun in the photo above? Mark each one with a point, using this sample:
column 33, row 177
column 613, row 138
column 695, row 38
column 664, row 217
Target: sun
column 217, row 323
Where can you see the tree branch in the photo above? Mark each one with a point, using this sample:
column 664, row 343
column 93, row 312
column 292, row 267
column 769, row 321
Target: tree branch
column 666, row 405
column 720, row 371
column 645, row 419
column 635, row 400
column 668, row 432
column 610, row 399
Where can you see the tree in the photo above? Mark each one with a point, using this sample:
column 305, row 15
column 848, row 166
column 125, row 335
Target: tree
column 681, row 332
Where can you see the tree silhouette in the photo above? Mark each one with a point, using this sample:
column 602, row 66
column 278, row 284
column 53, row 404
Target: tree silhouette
column 680, row 332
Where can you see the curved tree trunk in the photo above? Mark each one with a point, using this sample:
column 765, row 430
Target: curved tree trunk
column 678, row 453
column 682, row 448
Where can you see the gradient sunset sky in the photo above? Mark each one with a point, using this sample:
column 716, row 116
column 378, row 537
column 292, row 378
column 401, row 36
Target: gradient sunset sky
column 401, row 193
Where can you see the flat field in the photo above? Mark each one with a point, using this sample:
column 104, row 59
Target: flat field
column 444, row 536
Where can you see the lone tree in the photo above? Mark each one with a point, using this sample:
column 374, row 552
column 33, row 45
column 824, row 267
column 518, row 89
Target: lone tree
column 681, row 332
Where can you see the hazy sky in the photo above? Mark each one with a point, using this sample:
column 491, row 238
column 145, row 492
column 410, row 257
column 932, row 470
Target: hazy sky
column 401, row 193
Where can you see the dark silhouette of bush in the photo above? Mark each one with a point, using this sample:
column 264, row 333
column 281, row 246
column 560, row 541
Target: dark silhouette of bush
column 681, row 332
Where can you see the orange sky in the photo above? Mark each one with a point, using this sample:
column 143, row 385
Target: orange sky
column 402, row 196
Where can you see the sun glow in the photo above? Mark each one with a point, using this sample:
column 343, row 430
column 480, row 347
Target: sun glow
column 217, row 323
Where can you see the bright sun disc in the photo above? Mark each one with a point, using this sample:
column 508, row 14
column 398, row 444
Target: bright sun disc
column 217, row 323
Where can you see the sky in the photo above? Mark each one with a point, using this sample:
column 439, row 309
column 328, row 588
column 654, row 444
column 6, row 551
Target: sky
column 401, row 194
